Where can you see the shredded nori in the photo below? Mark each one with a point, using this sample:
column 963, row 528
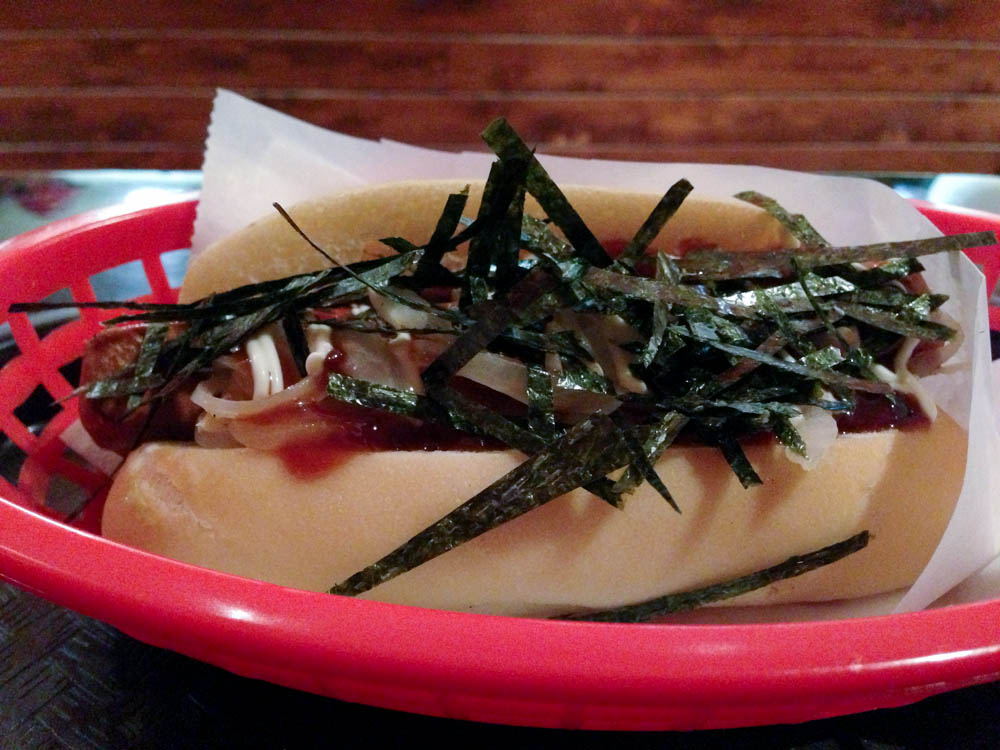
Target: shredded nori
column 687, row 600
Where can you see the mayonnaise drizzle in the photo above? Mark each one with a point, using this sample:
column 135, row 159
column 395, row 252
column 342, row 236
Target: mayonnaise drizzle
column 905, row 381
column 265, row 365
column 318, row 341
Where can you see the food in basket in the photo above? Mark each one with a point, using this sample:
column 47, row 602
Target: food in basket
column 484, row 409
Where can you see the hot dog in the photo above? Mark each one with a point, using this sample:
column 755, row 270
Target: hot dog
column 307, row 507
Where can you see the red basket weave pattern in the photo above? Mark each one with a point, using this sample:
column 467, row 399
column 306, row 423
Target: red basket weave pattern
column 38, row 264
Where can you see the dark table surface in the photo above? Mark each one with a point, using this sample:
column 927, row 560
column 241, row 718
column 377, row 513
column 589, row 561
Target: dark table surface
column 68, row 681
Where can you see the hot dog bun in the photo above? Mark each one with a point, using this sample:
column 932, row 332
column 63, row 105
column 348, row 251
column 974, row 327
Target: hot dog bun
column 348, row 226
column 246, row 512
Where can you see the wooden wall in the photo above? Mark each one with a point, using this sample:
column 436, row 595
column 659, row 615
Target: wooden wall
column 856, row 84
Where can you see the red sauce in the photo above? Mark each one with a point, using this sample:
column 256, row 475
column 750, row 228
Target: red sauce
column 875, row 413
column 689, row 244
column 614, row 247
column 361, row 428
column 347, row 429
column 309, row 459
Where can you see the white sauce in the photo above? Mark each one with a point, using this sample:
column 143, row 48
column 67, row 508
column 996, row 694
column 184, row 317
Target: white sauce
column 818, row 429
column 905, row 381
column 264, row 364
column 318, row 341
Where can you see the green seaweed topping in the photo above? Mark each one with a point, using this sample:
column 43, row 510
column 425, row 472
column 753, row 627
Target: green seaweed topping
column 728, row 264
column 540, row 394
column 145, row 365
column 640, row 460
column 507, row 144
column 797, row 224
column 586, row 452
column 666, row 273
column 687, row 600
column 667, row 207
column 900, row 322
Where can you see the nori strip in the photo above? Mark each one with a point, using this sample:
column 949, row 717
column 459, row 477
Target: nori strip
column 891, row 297
column 664, row 210
column 292, row 223
column 496, row 242
column 897, row 324
column 641, row 462
column 746, row 407
column 507, row 144
column 585, row 453
column 666, row 272
column 796, row 296
column 797, row 224
column 377, row 396
column 732, row 451
column 659, row 437
column 785, row 431
column 508, row 246
column 688, row 600
column 437, row 245
column 149, row 353
column 124, row 384
column 893, row 269
column 727, row 264
column 540, row 394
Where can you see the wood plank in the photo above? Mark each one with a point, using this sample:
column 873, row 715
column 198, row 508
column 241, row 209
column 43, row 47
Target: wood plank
column 728, row 64
column 85, row 155
column 874, row 19
column 244, row 61
column 914, row 157
column 511, row 64
column 135, row 115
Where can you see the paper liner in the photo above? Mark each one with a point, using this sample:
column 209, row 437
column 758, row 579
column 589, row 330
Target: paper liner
column 255, row 156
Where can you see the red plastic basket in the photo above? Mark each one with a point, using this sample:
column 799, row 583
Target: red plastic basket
column 510, row 670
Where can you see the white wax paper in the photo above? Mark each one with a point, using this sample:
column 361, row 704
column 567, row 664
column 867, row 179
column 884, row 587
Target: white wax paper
column 256, row 156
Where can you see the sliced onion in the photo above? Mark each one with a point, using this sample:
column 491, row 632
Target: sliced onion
column 371, row 357
column 265, row 365
column 401, row 316
column 308, row 389
column 498, row 372
column 288, row 428
column 818, row 430
column 929, row 357
column 508, row 376
column 603, row 335
column 213, row 432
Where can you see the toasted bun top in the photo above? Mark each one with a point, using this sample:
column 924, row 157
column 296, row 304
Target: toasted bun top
column 349, row 225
